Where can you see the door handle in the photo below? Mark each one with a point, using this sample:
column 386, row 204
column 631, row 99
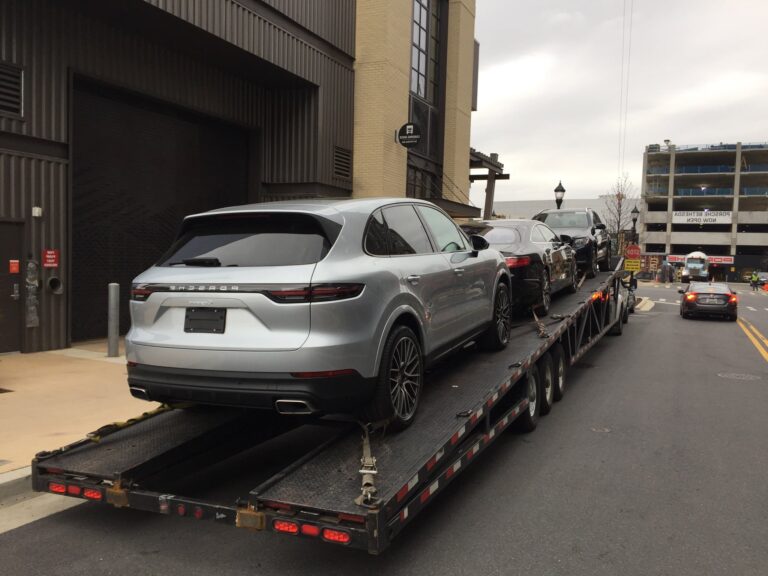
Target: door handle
column 15, row 295
column 458, row 271
column 414, row 279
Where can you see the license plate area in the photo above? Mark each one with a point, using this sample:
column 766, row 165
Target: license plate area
column 710, row 301
column 205, row 320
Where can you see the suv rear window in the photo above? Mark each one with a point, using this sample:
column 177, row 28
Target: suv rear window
column 257, row 239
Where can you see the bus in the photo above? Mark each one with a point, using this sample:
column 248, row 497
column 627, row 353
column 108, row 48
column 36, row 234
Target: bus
column 696, row 267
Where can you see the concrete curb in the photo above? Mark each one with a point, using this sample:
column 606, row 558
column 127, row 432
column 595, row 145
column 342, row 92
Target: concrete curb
column 15, row 484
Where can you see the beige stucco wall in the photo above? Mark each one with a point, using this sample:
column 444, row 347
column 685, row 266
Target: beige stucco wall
column 382, row 83
column 458, row 99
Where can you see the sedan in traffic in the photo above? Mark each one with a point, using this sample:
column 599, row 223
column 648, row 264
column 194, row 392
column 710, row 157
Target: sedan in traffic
column 539, row 262
column 708, row 299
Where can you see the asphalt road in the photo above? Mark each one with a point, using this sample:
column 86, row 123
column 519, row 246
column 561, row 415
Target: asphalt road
column 655, row 463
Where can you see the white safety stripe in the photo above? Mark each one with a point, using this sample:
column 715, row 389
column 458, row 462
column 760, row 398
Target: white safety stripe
column 433, row 487
column 456, row 466
column 404, row 514
column 439, row 455
column 412, row 482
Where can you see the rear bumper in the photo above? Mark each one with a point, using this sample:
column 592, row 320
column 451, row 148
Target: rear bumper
column 710, row 309
column 245, row 389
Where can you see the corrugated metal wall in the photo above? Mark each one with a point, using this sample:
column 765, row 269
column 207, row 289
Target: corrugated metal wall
column 253, row 33
column 331, row 20
column 51, row 40
column 27, row 180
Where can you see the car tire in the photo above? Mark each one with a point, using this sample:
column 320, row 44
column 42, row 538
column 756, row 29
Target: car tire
column 529, row 419
column 546, row 293
column 391, row 400
column 573, row 286
column 547, row 381
column 557, row 353
column 733, row 318
column 605, row 263
column 496, row 337
column 625, row 316
column 593, row 268
column 618, row 327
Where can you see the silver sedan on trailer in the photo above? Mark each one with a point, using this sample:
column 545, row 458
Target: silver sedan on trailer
column 313, row 307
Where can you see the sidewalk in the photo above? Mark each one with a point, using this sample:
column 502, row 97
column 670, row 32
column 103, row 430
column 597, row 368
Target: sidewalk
column 57, row 397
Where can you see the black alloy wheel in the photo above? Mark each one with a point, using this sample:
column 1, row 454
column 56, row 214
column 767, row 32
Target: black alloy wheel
column 593, row 269
column 496, row 337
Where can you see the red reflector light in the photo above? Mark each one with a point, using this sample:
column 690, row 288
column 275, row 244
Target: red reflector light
column 336, row 536
column 517, row 261
column 310, row 530
column 324, row 374
column 57, row 488
column 691, row 297
column 73, row 490
column 597, row 296
column 352, row 518
column 92, row 493
column 285, row 526
column 198, row 513
column 181, row 510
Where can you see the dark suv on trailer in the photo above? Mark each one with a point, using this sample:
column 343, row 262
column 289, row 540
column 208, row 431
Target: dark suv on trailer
column 585, row 232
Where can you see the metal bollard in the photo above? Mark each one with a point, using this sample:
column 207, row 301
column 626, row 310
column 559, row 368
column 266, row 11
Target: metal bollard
column 113, row 320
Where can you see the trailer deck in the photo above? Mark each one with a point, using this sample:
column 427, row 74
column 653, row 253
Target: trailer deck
column 316, row 491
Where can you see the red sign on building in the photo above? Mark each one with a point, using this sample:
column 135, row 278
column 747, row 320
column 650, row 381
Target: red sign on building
column 13, row 267
column 50, row 258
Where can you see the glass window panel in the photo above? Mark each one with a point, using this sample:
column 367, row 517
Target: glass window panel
column 415, row 57
column 423, row 39
column 416, row 33
column 422, row 63
column 406, row 233
column 376, row 235
column 444, row 231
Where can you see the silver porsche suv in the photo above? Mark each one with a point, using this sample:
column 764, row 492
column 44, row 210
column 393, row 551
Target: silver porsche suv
column 320, row 306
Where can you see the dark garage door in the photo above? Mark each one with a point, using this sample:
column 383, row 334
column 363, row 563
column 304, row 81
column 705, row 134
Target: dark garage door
column 138, row 168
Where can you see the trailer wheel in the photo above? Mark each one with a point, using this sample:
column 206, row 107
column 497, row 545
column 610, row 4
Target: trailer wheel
column 399, row 382
column 558, row 370
column 528, row 420
column 547, row 379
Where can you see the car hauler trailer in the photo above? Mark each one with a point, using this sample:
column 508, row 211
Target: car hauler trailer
column 315, row 478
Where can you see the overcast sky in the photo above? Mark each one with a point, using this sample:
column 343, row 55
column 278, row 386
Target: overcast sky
column 550, row 86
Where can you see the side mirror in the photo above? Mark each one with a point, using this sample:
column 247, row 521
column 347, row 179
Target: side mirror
column 681, row 290
column 478, row 242
column 565, row 238
column 634, row 283
column 600, row 226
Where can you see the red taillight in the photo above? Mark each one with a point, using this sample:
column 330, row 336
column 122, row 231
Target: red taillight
column 324, row 374
column 140, row 294
column 73, row 490
column 517, row 261
column 310, row 530
column 198, row 513
column 315, row 293
column 337, row 536
column 92, row 494
column 57, row 488
column 597, row 296
column 285, row 526
column 691, row 296
column 733, row 299
column 181, row 510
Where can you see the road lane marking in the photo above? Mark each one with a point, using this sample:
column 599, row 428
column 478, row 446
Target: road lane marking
column 752, row 338
column 665, row 302
column 753, row 309
column 662, row 299
column 677, row 301
column 757, row 333
column 645, row 305
column 23, row 513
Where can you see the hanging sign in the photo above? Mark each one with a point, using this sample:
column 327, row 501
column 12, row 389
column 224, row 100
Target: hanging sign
column 13, row 267
column 409, row 135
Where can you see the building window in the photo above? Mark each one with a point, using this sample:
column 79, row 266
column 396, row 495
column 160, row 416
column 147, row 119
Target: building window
column 655, row 248
column 655, row 227
column 422, row 184
column 425, row 49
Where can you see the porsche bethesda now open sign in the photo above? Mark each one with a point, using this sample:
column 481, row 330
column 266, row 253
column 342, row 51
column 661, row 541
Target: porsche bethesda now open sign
column 702, row 217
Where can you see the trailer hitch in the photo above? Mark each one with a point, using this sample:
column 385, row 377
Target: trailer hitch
column 368, row 471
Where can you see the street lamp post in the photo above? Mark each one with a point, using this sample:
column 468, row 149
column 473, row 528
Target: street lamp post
column 559, row 193
column 635, row 213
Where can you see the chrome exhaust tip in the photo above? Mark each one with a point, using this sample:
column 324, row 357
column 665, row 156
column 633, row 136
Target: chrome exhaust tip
column 140, row 393
column 293, row 407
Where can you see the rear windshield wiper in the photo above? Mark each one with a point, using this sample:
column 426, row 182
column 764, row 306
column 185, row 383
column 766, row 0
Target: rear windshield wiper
column 212, row 262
